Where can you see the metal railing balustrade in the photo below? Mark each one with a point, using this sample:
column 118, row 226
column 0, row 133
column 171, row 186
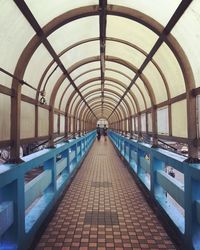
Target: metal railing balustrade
column 149, row 165
column 24, row 206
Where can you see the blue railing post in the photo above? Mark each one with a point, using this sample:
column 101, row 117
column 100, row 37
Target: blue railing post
column 51, row 164
column 81, row 149
column 192, row 194
column 155, row 189
column 14, row 192
column 76, row 152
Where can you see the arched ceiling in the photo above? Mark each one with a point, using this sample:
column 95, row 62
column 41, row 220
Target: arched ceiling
column 105, row 58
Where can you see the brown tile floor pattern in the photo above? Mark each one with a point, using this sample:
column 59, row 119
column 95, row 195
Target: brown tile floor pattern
column 104, row 191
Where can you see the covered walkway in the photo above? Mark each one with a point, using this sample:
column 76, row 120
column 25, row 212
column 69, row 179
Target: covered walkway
column 65, row 68
column 104, row 209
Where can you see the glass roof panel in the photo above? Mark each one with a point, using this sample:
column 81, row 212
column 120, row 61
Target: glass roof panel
column 187, row 32
column 87, row 76
column 154, row 8
column 131, row 105
column 74, row 105
column 139, row 97
column 62, row 88
column 15, row 34
column 143, row 88
column 117, row 76
column 51, row 83
column 79, row 53
column 74, row 32
column 91, row 88
column 125, row 52
column 45, row 10
column 133, row 32
column 171, row 70
column 51, row 69
column 84, row 68
column 114, row 86
column 37, row 64
column 66, row 97
column 119, row 67
column 156, row 82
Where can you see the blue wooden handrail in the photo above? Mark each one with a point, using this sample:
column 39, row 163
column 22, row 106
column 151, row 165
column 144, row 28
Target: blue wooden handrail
column 149, row 164
column 24, row 206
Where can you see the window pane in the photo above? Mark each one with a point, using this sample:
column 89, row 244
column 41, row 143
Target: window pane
column 179, row 119
column 163, row 121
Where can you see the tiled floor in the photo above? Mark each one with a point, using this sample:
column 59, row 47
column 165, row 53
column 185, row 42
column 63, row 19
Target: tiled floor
column 104, row 209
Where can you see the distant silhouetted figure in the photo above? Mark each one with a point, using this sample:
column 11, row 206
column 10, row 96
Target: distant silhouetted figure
column 98, row 133
column 171, row 172
column 105, row 132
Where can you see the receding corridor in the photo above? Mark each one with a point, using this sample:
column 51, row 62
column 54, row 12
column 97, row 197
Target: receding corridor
column 104, row 209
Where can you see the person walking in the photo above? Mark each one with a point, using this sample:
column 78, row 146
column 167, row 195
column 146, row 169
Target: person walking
column 98, row 133
column 105, row 132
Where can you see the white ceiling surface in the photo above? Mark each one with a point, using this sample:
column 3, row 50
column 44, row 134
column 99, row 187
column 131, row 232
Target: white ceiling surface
column 16, row 33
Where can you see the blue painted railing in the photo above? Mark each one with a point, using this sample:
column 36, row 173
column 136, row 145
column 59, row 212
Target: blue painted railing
column 24, row 206
column 149, row 164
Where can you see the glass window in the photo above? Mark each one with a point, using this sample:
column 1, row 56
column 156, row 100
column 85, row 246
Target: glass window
column 163, row 121
column 143, row 122
column 179, row 119
column 27, row 120
column 43, row 122
column 62, row 124
column 149, row 118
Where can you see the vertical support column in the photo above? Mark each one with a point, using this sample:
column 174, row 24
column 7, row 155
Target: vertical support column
column 59, row 123
column 154, row 126
column 66, row 126
column 170, row 118
column 192, row 128
column 51, row 127
column 36, row 120
column 74, row 127
column 139, row 126
column 125, row 126
column 131, row 127
column 15, row 123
